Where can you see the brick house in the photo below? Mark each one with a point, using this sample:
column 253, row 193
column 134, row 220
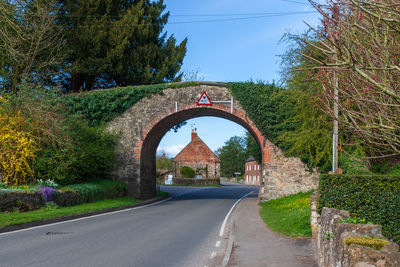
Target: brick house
column 198, row 156
column 252, row 172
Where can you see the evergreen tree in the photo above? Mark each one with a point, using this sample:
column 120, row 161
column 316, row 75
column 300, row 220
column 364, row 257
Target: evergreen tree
column 119, row 43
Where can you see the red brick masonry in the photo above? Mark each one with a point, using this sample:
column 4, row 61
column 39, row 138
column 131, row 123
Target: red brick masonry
column 198, row 155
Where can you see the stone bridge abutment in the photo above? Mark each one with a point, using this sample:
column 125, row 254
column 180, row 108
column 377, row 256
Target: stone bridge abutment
column 142, row 127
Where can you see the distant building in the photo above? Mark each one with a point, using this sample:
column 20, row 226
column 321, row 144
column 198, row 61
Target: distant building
column 198, row 156
column 252, row 172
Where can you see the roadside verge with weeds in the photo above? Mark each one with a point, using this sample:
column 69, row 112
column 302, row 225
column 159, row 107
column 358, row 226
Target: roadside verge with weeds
column 288, row 215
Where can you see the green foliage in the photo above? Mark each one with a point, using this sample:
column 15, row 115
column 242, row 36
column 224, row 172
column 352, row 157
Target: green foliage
column 163, row 163
column 232, row 156
column 89, row 192
column 373, row 198
column 252, row 148
column 119, row 42
column 264, row 105
column 288, row 215
column 355, row 220
column 310, row 139
column 47, row 213
column 89, row 156
column 187, row 172
column 352, row 164
column 101, row 106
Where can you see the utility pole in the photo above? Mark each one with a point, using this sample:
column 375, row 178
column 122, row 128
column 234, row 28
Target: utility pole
column 335, row 138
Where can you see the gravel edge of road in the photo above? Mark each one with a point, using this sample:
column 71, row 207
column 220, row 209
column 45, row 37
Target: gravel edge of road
column 77, row 216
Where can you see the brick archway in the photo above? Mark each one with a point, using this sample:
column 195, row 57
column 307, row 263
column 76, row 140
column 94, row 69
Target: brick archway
column 142, row 127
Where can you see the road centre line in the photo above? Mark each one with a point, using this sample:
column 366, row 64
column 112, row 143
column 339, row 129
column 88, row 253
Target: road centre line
column 87, row 217
column 218, row 244
column 221, row 231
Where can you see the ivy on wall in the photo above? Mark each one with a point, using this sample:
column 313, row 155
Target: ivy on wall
column 266, row 106
column 101, row 106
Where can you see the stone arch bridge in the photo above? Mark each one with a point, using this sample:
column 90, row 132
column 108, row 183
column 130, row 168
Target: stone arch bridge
column 142, row 127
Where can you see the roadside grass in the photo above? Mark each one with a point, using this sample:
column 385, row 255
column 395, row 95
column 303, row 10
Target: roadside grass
column 52, row 212
column 162, row 193
column 288, row 215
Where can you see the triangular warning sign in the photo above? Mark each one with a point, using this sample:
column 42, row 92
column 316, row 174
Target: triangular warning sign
column 204, row 100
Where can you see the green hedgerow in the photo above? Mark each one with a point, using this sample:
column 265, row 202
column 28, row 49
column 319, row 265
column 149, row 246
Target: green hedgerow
column 375, row 198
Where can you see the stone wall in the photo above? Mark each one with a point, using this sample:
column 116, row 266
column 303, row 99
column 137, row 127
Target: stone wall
column 332, row 251
column 286, row 175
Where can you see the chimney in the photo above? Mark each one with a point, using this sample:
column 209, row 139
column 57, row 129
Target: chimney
column 194, row 133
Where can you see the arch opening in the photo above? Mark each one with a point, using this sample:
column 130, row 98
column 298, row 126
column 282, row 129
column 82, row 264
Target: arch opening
column 151, row 141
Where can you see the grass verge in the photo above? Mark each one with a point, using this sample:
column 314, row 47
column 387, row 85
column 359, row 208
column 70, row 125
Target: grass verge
column 162, row 193
column 52, row 212
column 288, row 215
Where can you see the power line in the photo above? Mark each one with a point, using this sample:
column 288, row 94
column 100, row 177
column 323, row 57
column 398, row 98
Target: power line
column 196, row 15
column 205, row 21
column 295, row 2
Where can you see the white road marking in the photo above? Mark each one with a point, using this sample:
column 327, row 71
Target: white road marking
column 218, row 244
column 221, row 231
column 213, row 254
column 83, row 218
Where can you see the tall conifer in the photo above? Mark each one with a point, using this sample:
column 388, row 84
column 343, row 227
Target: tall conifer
column 119, row 42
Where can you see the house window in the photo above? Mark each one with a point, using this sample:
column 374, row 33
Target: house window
column 249, row 167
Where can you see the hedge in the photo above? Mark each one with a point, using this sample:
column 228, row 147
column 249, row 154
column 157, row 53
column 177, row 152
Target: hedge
column 17, row 199
column 64, row 196
column 89, row 192
column 374, row 198
column 187, row 172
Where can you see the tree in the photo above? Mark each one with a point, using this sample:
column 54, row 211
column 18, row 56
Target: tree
column 309, row 132
column 31, row 43
column 232, row 156
column 359, row 41
column 163, row 163
column 252, row 148
column 119, row 43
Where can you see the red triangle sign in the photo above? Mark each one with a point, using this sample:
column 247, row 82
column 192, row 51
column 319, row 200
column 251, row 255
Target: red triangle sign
column 204, row 100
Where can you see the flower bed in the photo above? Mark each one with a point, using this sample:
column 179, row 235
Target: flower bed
column 30, row 198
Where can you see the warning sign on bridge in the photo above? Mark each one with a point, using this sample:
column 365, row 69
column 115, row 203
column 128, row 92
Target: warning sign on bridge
column 204, row 100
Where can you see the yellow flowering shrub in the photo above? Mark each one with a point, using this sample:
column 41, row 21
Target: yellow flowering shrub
column 17, row 148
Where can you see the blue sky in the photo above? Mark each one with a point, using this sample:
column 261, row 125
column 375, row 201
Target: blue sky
column 231, row 40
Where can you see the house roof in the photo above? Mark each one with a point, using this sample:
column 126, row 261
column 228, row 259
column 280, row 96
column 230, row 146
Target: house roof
column 250, row 159
column 196, row 152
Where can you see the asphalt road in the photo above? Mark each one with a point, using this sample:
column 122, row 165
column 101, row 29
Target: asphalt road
column 182, row 231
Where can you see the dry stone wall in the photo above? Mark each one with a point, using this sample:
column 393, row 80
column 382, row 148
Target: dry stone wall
column 333, row 252
column 286, row 175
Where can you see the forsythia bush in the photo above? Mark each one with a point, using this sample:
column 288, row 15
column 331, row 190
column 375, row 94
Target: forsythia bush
column 17, row 148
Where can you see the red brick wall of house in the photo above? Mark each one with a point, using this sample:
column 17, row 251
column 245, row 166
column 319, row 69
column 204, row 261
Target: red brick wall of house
column 252, row 173
column 198, row 155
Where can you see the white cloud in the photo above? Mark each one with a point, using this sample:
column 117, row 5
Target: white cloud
column 170, row 151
